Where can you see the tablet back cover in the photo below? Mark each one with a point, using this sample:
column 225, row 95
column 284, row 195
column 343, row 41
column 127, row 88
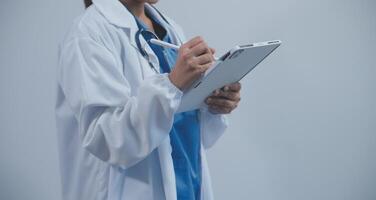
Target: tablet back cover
column 233, row 69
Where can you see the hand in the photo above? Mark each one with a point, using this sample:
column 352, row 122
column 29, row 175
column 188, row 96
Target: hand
column 224, row 100
column 194, row 58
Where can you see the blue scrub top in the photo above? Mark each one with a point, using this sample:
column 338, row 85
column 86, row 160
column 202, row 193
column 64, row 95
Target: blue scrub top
column 185, row 132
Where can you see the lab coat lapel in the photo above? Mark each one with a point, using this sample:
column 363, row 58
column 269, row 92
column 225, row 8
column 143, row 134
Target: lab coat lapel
column 117, row 14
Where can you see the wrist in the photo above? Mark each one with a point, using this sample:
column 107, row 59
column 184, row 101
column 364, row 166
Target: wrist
column 174, row 81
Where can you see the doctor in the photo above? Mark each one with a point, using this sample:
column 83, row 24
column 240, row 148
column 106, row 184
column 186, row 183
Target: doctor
column 119, row 134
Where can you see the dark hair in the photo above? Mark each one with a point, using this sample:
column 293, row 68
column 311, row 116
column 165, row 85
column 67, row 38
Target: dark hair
column 88, row 3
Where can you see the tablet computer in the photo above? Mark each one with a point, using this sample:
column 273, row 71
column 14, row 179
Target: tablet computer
column 230, row 68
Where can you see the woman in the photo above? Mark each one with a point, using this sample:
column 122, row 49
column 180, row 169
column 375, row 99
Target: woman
column 119, row 134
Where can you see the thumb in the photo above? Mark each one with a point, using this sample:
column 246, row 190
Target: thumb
column 212, row 50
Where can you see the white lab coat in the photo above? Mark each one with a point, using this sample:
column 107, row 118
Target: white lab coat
column 114, row 112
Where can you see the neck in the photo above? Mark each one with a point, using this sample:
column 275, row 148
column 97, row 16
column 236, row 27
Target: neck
column 135, row 7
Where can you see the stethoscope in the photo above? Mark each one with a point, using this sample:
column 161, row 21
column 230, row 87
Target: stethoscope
column 142, row 32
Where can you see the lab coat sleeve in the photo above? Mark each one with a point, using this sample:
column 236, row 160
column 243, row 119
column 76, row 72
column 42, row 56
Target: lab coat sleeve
column 212, row 127
column 114, row 126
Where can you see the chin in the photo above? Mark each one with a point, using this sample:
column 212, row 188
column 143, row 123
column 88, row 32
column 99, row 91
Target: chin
column 152, row 1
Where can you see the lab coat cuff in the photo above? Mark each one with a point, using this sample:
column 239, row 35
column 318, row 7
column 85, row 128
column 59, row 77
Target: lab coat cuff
column 174, row 94
column 172, row 87
column 213, row 126
column 221, row 117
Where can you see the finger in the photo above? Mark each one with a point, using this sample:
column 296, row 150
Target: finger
column 234, row 96
column 216, row 92
column 193, row 42
column 219, row 110
column 204, row 59
column 214, row 110
column 203, row 68
column 235, row 87
column 225, row 103
column 212, row 50
column 200, row 49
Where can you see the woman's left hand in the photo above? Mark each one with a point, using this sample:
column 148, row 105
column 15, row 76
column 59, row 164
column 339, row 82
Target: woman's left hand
column 224, row 100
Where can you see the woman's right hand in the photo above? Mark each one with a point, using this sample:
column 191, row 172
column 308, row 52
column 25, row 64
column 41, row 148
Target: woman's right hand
column 194, row 58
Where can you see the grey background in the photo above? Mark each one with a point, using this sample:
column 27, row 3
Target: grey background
column 305, row 129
